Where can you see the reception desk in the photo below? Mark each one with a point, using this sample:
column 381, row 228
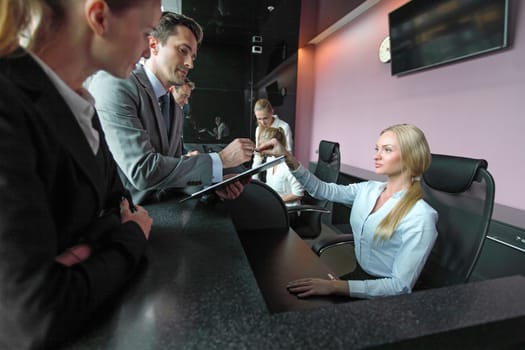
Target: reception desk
column 201, row 288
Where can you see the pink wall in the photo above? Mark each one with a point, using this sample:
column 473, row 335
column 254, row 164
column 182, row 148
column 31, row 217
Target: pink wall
column 471, row 108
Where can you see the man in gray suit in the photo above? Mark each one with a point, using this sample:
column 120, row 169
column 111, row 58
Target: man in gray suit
column 145, row 135
column 182, row 93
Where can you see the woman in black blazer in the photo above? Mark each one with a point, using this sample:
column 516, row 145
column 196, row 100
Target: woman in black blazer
column 68, row 242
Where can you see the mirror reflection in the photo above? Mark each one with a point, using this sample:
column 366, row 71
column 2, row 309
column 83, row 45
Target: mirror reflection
column 249, row 51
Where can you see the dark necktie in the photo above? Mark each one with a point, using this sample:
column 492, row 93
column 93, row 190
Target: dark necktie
column 164, row 102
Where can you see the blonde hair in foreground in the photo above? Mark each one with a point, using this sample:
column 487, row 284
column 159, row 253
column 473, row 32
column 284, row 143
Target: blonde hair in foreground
column 15, row 18
column 415, row 155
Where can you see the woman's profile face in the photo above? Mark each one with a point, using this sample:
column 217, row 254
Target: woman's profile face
column 387, row 157
column 127, row 37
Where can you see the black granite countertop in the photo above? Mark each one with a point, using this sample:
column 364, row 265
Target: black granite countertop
column 197, row 291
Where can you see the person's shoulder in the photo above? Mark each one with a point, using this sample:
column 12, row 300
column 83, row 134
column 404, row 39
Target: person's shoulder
column 103, row 85
column 102, row 80
column 423, row 208
column 371, row 184
column 277, row 121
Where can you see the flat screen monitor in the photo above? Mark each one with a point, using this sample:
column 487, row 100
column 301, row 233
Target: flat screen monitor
column 425, row 33
column 274, row 94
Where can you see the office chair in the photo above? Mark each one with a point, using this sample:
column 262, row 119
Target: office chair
column 258, row 207
column 462, row 191
column 306, row 218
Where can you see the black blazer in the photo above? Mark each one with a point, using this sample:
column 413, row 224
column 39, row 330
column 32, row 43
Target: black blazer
column 54, row 194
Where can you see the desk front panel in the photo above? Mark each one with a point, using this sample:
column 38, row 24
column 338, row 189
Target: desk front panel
column 197, row 291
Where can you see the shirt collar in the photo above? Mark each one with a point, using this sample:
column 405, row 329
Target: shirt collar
column 158, row 89
column 396, row 195
column 81, row 103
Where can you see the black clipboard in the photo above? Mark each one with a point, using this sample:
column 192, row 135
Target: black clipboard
column 244, row 174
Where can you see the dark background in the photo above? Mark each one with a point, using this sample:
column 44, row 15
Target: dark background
column 229, row 77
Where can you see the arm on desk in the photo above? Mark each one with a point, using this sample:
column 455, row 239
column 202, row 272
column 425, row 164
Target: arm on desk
column 306, row 287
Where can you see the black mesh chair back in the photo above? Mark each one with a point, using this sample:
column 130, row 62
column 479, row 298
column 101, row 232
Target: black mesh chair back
column 462, row 191
column 308, row 223
column 258, row 207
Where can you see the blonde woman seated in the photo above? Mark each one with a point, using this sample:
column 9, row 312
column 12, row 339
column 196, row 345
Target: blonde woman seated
column 279, row 177
column 394, row 228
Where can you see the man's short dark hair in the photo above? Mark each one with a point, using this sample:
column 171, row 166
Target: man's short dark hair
column 168, row 26
column 188, row 82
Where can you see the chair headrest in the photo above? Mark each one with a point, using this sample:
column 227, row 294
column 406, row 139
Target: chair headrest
column 452, row 174
column 326, row 150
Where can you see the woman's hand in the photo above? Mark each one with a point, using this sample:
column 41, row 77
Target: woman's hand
column 272, row 148
column 275, row 148
column 140, row 216
column 306, row 287
column 74, row 255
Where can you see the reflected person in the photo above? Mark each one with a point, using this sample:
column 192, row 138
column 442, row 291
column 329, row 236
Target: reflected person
column 279, row 176
column 264, row 114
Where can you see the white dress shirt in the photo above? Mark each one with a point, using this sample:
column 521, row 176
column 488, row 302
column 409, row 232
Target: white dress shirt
column 283, row 182
column 80, row 102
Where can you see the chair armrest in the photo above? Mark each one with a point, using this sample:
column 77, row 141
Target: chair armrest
column 325, row 243
column 306, row 208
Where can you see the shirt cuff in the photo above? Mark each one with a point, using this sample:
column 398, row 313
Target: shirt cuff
column 299, row 171
column 357, row 288
column 216, row 166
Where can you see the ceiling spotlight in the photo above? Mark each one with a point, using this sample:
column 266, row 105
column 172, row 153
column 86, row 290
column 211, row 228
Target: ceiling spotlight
column 270, row 8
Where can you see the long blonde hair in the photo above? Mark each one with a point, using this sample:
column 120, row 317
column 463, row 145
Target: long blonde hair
column 416, row 157
column 15, row 18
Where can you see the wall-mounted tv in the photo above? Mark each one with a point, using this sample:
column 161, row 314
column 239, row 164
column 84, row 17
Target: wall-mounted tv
column 274, row 94
column 426, row 33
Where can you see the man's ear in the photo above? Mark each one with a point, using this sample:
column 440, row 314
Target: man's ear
column 154, row 45
column 97, row 12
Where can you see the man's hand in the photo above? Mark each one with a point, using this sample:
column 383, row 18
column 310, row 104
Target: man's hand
column 233, row 190
column 192, row 153
column 237, row 152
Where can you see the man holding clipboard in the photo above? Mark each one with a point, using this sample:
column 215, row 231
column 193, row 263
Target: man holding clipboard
column 142, row 129
column 232, row 187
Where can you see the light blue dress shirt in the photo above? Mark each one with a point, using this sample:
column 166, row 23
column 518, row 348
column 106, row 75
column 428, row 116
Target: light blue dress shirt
column 398, row 261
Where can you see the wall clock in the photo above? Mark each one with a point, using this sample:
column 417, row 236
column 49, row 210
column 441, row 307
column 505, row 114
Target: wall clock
column 384, row 50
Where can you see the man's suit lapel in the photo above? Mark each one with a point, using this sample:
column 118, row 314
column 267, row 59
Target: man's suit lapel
column 143, row 80
column 55, row 113
column 176, row 130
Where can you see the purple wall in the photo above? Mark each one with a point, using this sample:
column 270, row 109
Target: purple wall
column 472, row 108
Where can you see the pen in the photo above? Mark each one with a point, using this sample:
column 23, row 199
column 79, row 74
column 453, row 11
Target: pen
column 132, row 206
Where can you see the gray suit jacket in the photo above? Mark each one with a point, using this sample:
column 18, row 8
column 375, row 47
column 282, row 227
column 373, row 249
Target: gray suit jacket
column 149, row 159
